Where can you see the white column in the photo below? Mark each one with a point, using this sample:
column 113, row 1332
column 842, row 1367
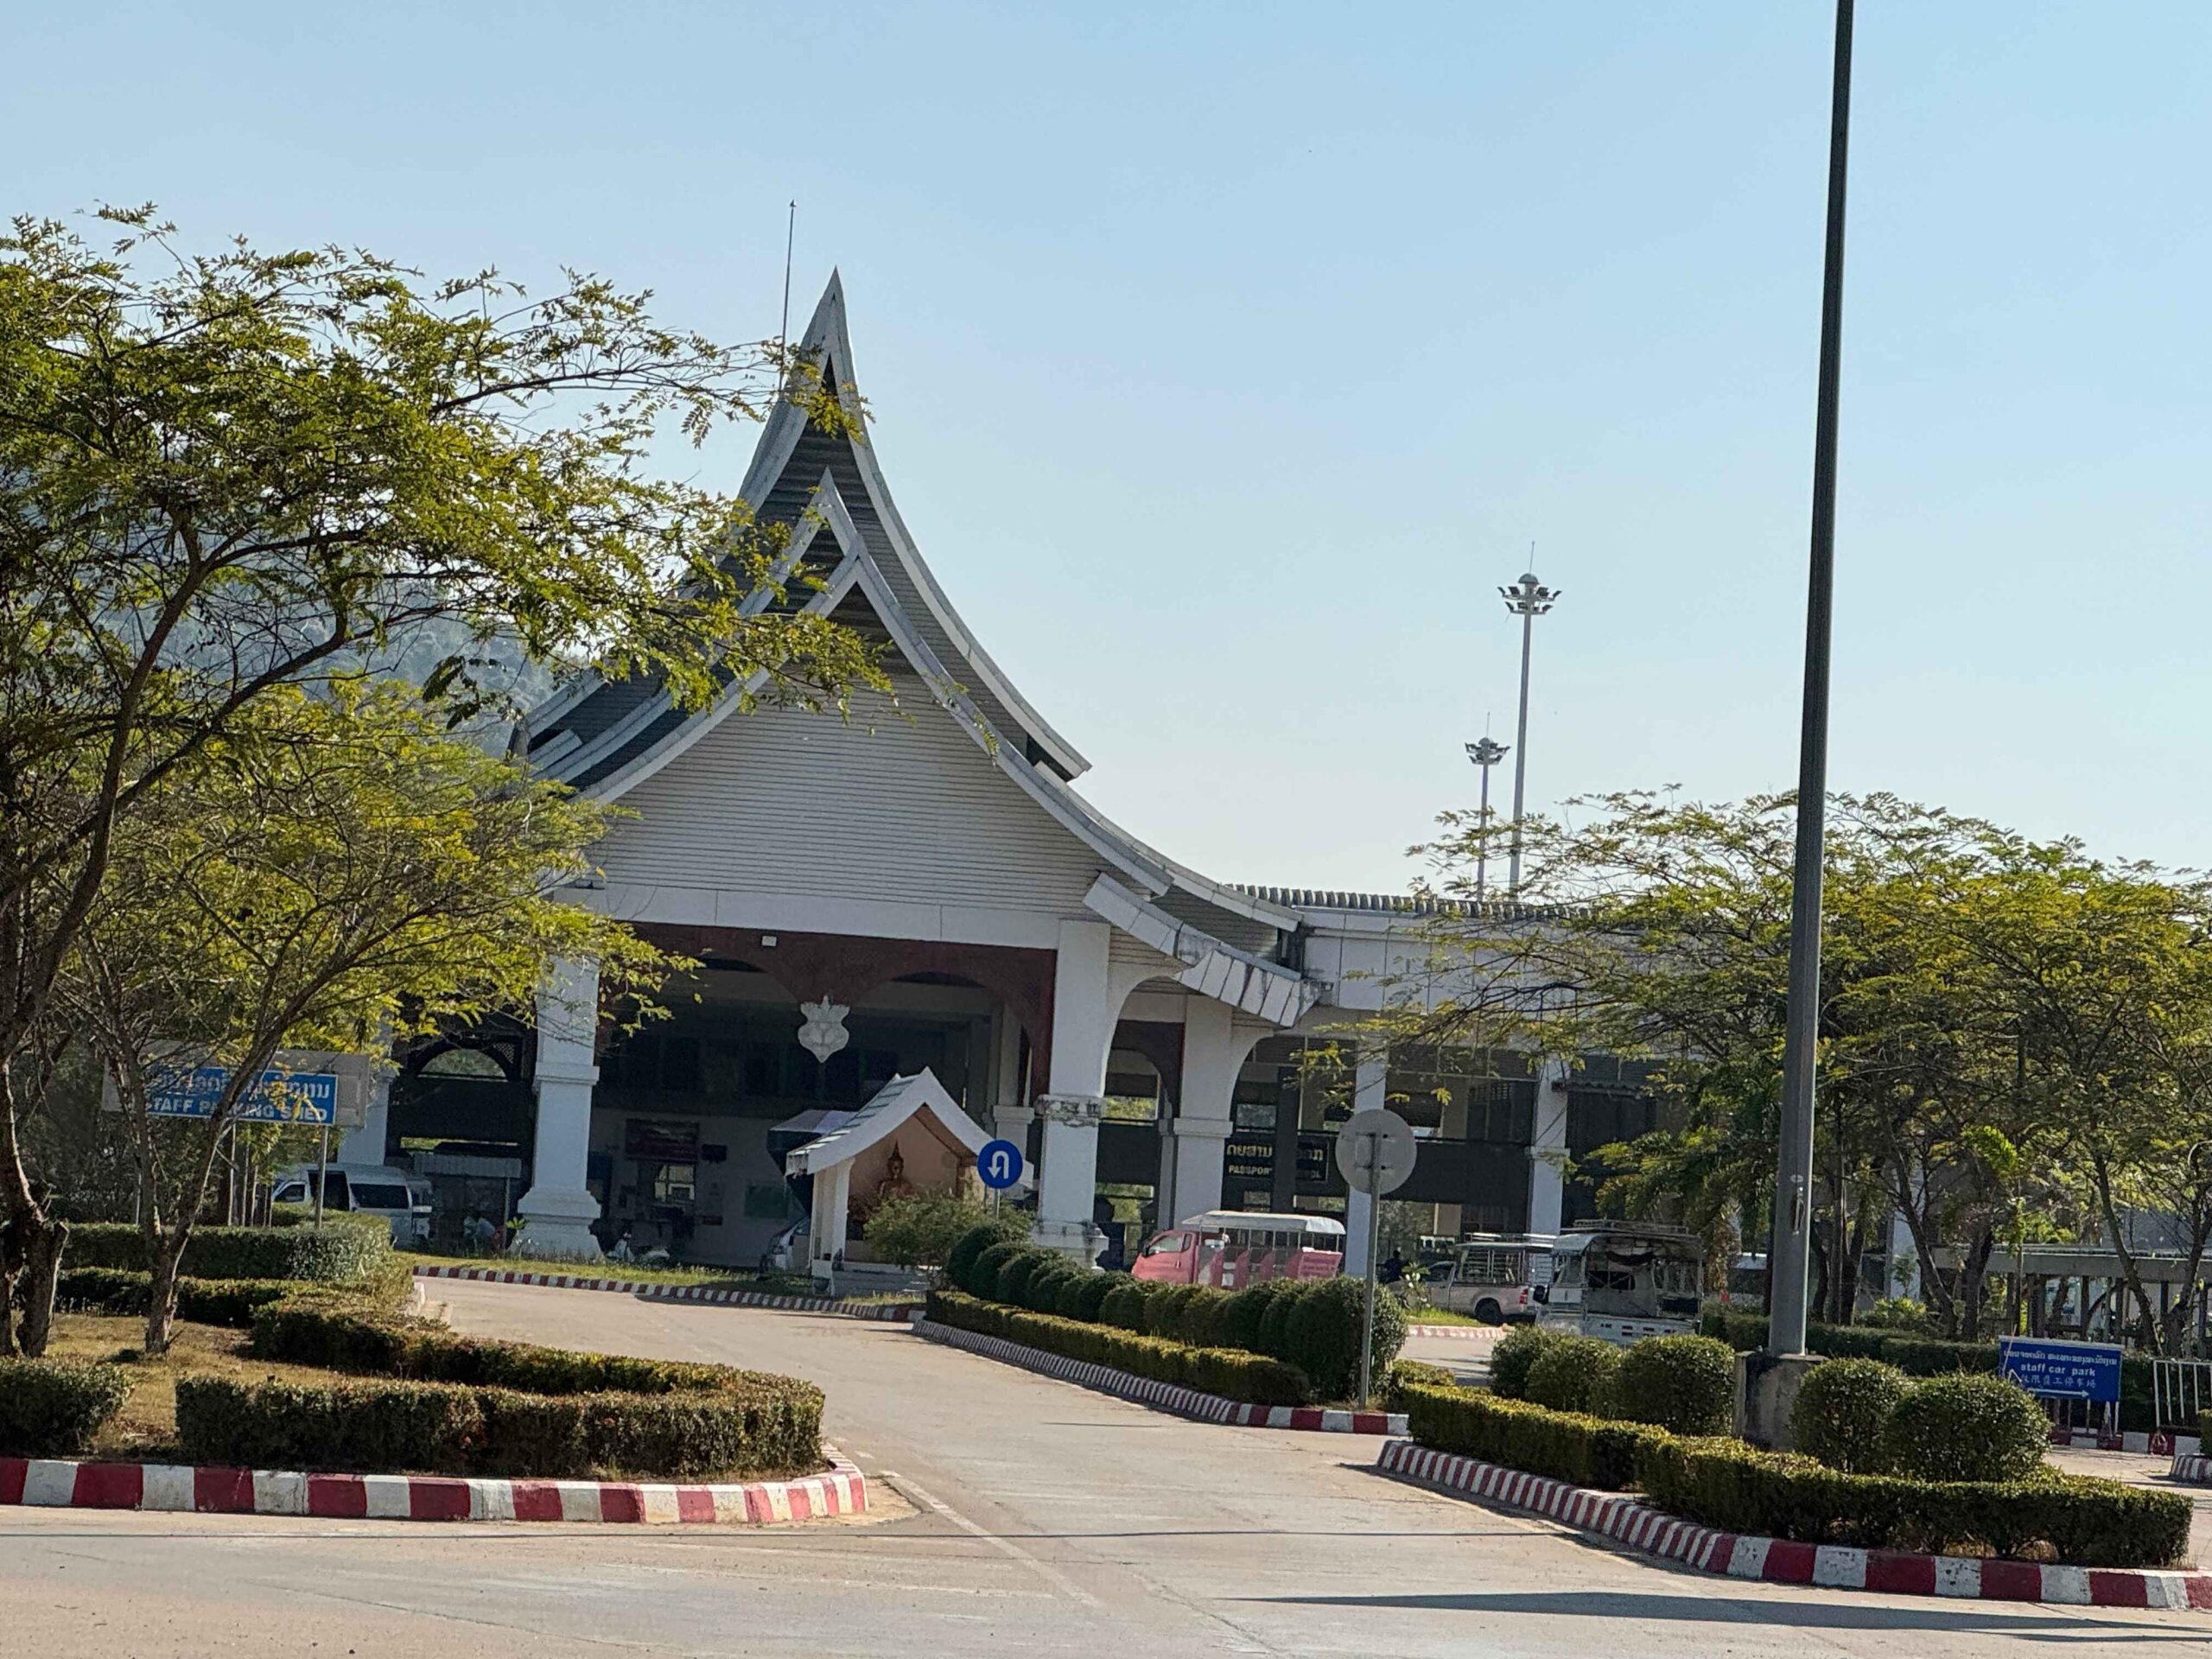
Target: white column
column 833, row 1196
column 1548, row 1152
column 557, row 1211
column 1371, row 1088
column 1084, row 1011
column 1214, row 1048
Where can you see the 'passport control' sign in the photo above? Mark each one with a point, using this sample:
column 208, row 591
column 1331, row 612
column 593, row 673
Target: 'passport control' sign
column 2051, row 1370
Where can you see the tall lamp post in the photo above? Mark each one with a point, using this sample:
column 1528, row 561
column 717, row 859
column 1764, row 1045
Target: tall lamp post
column 1792, row 1175
column 1527, row 599
column 1485, row 754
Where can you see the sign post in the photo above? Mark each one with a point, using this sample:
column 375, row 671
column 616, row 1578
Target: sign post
column 1375, row 1150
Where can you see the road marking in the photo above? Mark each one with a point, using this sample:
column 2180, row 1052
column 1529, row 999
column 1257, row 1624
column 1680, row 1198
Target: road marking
column 916, row 1493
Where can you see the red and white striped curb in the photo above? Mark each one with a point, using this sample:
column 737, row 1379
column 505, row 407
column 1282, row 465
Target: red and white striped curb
column 1632, row 1522
column 58, row 1484
column 2191, row 1466
column 1167, row 1396
column 1453, row 1332
column 2155, row 1443
column 900, row 1311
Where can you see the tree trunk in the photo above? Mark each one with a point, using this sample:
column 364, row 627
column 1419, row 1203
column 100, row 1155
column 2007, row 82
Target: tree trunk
column 7, row 1313
column 44, row 1239
column 160, row 1302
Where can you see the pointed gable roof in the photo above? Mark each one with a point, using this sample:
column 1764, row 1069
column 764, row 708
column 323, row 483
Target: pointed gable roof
column 901, row 1102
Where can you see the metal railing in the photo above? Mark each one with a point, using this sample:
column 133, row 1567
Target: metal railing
column 2180, row 1391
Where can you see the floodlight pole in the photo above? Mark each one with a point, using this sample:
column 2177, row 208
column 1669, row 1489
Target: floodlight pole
column 1793, row 1178
column 1485, row 754
column 1527, row 599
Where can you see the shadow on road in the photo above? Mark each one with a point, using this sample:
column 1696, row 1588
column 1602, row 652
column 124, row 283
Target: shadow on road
column 1838, row 1615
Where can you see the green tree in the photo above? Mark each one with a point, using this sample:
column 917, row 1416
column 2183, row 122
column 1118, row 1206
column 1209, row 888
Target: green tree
column 225, row 474
column 920, row 1230
column 339, row 872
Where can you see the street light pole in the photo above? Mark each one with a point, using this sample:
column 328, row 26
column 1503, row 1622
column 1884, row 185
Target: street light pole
column 1485, row 754
column 1527, row 599
column 1792, row 1175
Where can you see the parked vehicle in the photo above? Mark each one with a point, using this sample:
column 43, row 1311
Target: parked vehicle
column 1623, row 1280
column 1236, row 1248
column 1495, row 1277
column 363, row 1189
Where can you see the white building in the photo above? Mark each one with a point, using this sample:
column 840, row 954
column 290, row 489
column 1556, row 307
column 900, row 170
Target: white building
column 923, row 885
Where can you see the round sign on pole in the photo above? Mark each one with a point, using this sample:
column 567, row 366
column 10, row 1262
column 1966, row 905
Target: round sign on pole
column 1375, row 1150
column 1000, row 1165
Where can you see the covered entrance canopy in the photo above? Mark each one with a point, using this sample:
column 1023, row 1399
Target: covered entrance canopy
column 912, row 1137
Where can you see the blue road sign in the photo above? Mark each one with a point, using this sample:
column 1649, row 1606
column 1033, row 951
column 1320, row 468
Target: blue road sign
column 279, row 1096
column 1000, row 1165
column 2051, row 1370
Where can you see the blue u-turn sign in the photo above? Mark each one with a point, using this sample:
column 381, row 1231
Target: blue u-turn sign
column 1000, row 1165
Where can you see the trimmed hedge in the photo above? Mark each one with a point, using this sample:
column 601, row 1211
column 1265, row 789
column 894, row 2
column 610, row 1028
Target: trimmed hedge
column 1842, row 1415
column 1322, row 1333
column 1252, row 1378
column 1571, row 1446
column 1685, row 1384
column 52, row 1407
column 231, row 1302
column 1124, row 1307
column 346, row 1249
column 1515, row 1355
column 960, row 1260
column 983, row 1278
column 454, row 1429
column 1726, row 1484
column 1575, row 1374
column 1967, row 1428
column 1015, row 1272
column 2086, row 1523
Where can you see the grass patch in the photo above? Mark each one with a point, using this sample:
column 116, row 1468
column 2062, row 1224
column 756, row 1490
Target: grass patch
column 1446, row 1316
column 145, row 1429
column 770, row 1284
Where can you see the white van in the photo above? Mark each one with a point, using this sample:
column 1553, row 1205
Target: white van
column 363, row 1189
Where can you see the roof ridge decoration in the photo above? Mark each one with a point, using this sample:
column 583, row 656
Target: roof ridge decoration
column 1281, row 995
column 828, row 340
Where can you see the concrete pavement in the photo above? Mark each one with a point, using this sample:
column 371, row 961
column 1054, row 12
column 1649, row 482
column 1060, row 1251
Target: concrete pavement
column 1022, row 1516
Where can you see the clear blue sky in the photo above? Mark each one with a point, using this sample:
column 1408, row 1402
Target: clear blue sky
column 1224, row 359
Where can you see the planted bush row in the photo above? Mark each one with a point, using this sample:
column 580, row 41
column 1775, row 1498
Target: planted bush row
column 341, row 1333
column 1230, row 1373
column 231, row 1302
column 454, row 1429
column 1726, row 1484
column 1313, row 1325
column 53, row 1409
column 346, row 1249
column 1684, row 1383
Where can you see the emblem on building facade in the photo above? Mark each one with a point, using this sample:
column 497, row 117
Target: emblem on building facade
column 823, row 1033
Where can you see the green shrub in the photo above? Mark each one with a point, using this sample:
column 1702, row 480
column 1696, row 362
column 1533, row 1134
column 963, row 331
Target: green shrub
column 346, row 1249
column 53, row 1409
column 1686, row 1384
column 1042, row 1293
column 1842, row 1415
column 1516, row 1354
column 1240, row 1325
column 1982, row 1428
column 1014, row 1277
column 1163, row 1312
column 1124, row 1306
column 921, row 1230
column 1092, row 1293
column 1898, row 1314
column 1199, row 1320
column 1067, row 1302
column 366, row 1425
column 1575, row 1375
column 2085, row 1523
column 1322, row 1331
column 230, row 1302
column 983, row 1273
column 960, row 1260
column 1406, row 1374
column 1565, row 1446
column 1232, row 1375
column 1274, row 1320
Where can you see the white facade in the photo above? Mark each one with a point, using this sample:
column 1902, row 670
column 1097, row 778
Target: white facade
column 943, row 817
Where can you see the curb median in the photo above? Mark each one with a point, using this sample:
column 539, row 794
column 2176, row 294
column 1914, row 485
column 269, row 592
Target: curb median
column 898, row 1312
column 54, row 1483
column 1625, row 1520
column 1163, row 1396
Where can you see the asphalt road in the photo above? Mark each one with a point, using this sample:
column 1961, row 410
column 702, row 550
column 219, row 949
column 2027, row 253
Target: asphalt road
column 1018, row 1516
